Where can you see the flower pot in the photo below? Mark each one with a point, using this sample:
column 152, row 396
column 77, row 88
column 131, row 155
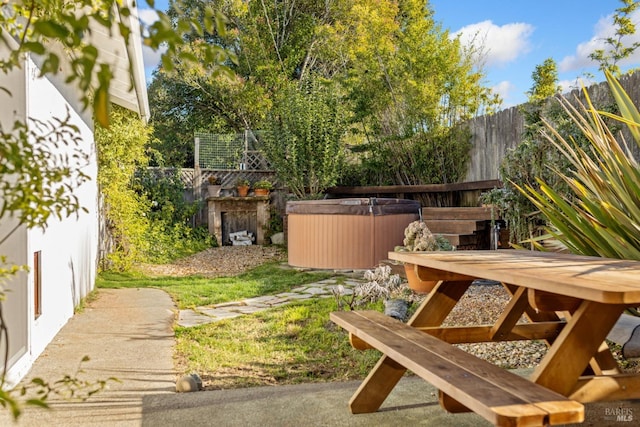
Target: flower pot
column 261, row 192
column 417, row 284
column 243, row 190
column 214, row 190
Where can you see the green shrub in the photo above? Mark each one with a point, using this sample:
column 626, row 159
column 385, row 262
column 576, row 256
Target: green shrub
column 423, row 158
column 302, row 139
column 170, row 234
column 121, row 150
column 600, row 215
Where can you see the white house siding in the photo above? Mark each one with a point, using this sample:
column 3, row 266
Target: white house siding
column 15, row 247
column 68, row 247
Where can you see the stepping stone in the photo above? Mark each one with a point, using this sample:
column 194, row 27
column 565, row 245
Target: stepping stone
column 316, row 291
column 229, row 304
column 301, row 296
column 352, row 283
column 188, row 318
column 277, row 301
column 267, row 299
column 287, row 295
column 346, row 290
column 248, row 309
column 219, row 314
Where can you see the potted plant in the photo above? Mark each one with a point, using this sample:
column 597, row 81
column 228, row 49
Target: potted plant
column 214, row 187
column 242, row 185
column 262, row 187
column 418, row 238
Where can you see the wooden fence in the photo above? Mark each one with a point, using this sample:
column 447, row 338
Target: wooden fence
column 494, row 135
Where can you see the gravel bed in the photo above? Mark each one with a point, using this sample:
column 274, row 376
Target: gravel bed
column 481, row 305
column 216, row 262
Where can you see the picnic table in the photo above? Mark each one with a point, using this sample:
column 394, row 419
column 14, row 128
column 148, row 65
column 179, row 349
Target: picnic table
column 569, row 301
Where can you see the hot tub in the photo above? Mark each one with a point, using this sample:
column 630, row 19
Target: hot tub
column 346, row 233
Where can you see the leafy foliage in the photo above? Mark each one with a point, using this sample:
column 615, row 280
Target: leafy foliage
column 536, row 158
column 121, row 151
column 40, row 25
column 601, row 215
column 170, row 233
column 302, row 137
column 42, row 163
column 147, row 215
column 433, row 158
column 545, row 81
column 618, row 49
column 402, row 81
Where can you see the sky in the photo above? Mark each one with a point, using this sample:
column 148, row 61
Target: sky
column 517, row 36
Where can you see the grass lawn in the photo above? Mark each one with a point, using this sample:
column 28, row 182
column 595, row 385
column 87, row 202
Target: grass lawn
column 286, row 345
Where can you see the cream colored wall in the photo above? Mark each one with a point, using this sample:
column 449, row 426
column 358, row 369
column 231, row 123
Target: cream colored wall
column 68, row 246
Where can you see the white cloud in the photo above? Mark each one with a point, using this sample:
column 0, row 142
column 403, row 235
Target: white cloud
column 150, row 57
column 567, row 86
column 504, row 89
column 603, row 29
column 499, row 44
column 147, row 16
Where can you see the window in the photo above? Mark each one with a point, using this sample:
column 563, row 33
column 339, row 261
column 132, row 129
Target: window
column 37, row 284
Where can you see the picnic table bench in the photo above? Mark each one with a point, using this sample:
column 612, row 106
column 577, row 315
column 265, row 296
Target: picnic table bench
column 571, row 302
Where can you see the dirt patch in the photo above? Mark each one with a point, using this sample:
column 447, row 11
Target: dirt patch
column 216, row 262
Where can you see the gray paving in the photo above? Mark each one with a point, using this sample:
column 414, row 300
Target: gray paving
column 127, row 333
column 229, row 310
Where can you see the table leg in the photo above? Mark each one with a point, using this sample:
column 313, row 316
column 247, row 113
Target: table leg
column 576, row 344
column 439, row 303
column 386, row 374
column 377, row 386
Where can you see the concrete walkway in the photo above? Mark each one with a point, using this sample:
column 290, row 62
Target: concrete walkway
column 128, row 334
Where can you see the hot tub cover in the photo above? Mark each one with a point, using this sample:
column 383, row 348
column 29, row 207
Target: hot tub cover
column 354, row 206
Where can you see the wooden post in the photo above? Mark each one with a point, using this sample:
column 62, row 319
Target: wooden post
column 197, row 179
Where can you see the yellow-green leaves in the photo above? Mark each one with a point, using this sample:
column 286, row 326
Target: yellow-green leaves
column 38, row 25
column 601, row 214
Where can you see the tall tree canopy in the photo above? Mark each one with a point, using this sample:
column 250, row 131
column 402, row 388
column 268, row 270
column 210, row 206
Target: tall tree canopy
column 397, row 70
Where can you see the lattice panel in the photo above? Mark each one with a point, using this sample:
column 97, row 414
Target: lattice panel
column 220, row 151
column 229, row 152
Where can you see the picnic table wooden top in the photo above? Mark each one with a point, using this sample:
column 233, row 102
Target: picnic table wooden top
column 604, row 280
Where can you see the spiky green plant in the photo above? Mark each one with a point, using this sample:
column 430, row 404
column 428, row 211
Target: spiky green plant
column 601, row 214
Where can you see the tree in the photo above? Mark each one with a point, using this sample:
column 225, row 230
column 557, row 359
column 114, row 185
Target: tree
column 271, row 43
column 545, row 81
column 402, row 77
column 401, row 69
column 615, row 49
column 302, row 136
